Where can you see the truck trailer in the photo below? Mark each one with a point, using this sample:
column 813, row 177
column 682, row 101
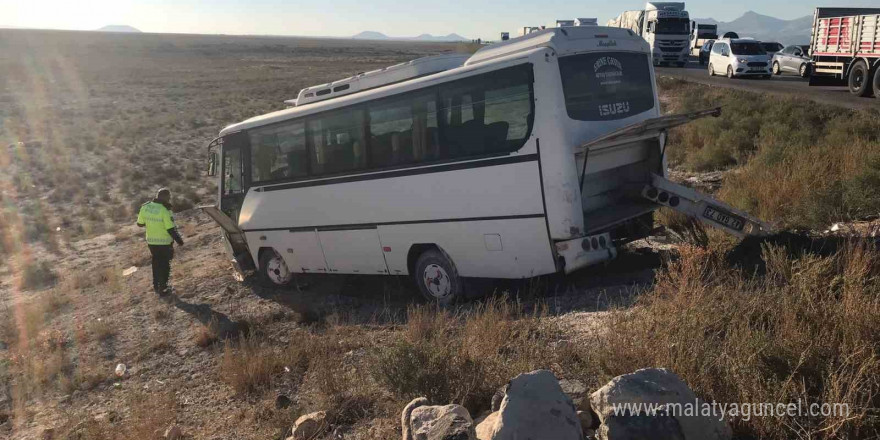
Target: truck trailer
column 845, row 47
column 666, row 28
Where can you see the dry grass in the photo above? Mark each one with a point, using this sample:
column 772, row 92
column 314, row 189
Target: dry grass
column 207, row 335
column 84, row 111
column 809, row 329
column 799, row 163
column 146, row 416
column 101, row 329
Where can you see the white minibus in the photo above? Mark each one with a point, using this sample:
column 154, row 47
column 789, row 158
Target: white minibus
column 535, row 155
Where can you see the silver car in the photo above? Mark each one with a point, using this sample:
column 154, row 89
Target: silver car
column 793, row 59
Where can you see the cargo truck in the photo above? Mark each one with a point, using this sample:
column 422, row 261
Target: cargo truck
column 845, row 47
column 666, row 28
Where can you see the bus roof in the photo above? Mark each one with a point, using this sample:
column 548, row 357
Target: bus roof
column 562, row 41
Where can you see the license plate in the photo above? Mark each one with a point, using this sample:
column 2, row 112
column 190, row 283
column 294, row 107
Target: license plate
column 724, row 218
column 756, row 69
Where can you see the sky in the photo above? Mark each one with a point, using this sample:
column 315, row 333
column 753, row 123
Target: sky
column 469, row 18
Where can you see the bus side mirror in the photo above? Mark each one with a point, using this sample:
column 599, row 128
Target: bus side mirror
column 212, row 164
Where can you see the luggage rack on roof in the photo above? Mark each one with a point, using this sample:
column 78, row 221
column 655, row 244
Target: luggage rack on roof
column 378, row 78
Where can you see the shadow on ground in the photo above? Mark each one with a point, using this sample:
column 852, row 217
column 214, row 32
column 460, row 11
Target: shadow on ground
column 224, row 327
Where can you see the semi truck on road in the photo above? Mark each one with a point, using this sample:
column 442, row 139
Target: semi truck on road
column 666, row 28
column 845, row 47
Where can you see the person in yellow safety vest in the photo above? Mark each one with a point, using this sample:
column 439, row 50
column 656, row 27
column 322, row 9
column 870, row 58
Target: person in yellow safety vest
column 156, row 217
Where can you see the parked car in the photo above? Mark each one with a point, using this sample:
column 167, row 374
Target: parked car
column 739, row 57
column 705, row 50
column 772, row 47
column 793, row 59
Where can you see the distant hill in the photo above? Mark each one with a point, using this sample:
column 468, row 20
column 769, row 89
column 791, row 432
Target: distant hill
column 766, row 28
column 119, row 28
column 373, row 35
column 370, row 35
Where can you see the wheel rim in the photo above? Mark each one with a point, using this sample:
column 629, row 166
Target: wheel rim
column 858, row 79
column 278, row 271
column 776, row 68
column 437, row 281
column 729, row 71
column 804, row 70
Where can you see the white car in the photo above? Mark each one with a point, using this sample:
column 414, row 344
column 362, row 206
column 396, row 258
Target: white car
column 739, row 57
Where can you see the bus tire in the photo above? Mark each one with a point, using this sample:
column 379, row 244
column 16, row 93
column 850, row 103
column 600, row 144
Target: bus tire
column 437, row 278
column 859, row 84
column 876, row 82
column 273, row 269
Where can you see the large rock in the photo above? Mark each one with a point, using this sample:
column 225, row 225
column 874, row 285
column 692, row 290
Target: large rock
column 640, row 427
column 655, row 386
column 310, row 425
column 486, row 427
column 535, row 408
column 449, row 422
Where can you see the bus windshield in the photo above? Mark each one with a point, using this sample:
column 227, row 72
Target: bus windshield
column 672, row 26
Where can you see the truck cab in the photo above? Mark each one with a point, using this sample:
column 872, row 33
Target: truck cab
column 667, row 30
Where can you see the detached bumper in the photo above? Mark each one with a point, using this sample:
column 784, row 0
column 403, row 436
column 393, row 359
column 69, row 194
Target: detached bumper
column 586, row 251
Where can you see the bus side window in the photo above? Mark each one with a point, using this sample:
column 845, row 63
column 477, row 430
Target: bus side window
column 278, row 152
column 486, row 114
column 338, row 141
column 403, row 130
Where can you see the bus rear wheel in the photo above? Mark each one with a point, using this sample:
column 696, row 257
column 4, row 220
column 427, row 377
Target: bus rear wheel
column 273, row 270
column 437, row 278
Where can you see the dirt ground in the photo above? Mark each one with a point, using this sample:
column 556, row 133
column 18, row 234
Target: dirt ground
column 94, row 123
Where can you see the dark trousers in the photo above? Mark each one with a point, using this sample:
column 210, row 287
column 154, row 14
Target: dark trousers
column 162, row 255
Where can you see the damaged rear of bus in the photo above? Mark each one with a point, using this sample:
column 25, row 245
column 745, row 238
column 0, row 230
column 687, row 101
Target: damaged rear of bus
column 601, row 140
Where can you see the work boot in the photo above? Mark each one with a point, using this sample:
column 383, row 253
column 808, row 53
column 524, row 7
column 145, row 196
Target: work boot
column 167, row 290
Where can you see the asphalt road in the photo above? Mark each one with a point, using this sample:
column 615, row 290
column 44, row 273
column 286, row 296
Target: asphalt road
column 786, row 84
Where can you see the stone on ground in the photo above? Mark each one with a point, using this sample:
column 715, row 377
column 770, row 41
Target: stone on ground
column 448, row 422
column 536, row 408
column 405, row 425
column 487, row 426
column 310, row 425
column 656, row 386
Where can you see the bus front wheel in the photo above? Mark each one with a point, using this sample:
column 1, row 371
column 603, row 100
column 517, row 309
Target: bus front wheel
column 273, row 270
column 437, row 278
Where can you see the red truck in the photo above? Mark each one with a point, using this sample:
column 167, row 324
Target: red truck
column 845, row 47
